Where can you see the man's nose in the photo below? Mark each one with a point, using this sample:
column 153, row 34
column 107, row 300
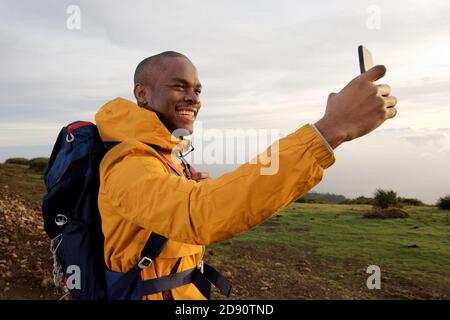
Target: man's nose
column 192, row 97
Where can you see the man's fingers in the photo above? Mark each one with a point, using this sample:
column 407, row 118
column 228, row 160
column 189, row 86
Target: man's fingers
column 383, row 90
column 391, row 112
column 374, row 73
column 204, row 175
column 389, row 105
column 200, row 176
column 390, row 101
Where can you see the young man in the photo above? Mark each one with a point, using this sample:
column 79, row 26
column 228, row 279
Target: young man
column 143, row 191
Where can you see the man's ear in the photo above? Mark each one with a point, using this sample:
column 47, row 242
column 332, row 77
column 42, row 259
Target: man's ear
column 142, row 94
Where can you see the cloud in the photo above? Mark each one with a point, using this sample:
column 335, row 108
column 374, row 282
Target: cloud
column 268, row 56
column 437, row 140
column 263, row 64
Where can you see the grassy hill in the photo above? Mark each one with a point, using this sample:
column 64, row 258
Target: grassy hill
column 323, row 251
column 308, row 251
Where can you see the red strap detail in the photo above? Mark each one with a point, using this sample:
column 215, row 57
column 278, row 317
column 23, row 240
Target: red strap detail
column 170, row 164
column 192, row 170
column 77, row 125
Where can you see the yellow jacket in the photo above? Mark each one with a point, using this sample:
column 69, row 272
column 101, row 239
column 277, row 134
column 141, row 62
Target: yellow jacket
column 138, row 194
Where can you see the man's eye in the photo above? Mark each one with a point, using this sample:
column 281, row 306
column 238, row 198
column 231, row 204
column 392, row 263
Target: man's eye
column 178, row 87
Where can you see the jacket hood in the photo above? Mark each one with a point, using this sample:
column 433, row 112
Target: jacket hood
column 121, row 119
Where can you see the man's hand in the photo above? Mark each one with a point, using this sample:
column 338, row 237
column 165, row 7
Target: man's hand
column 357, row 109
column 197, row 176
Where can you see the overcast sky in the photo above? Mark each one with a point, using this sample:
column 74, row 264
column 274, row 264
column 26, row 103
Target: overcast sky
column 263, row 65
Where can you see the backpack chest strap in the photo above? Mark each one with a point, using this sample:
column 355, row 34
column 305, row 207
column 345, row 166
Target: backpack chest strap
column 129, row 286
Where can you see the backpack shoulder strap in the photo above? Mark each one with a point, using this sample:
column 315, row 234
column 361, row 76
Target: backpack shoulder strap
column 155, row 243
column 153, row 247
column 120, row 288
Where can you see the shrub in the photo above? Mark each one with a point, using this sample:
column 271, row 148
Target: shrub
column 308, row 200
column 315, row 197
column 315, row 201
column 393, row 213
column 385, row 199
column 444, row 203
column 38, row 164
column 410, row 202
column 363, row 200
column 359, row 200
column 22, row 161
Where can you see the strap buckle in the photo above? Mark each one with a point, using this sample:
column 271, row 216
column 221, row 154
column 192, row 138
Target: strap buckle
column 145, row 263
column 201, row 266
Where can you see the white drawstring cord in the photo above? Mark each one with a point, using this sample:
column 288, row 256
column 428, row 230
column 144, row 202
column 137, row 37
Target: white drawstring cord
column 64, row 296
column 57, row 269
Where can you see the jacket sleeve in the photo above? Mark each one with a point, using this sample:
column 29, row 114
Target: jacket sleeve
column 139, row 189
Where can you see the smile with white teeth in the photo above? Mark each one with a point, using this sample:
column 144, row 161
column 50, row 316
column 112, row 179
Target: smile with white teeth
column 187, row 114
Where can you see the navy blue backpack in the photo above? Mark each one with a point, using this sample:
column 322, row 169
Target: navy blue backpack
column 70, row 210
column 72, row 221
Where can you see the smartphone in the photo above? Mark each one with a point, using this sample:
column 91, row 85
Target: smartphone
column 365, row 59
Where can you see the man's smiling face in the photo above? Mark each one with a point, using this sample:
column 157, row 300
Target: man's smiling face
column 175, row 94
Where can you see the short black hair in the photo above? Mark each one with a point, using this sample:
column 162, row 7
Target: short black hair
column 149, row 68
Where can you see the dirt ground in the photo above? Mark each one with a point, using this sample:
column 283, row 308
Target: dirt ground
column 289, row 273
column 25, row 258
column 256, row 272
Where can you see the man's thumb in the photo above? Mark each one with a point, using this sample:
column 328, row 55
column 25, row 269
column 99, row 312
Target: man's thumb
column 374, row 73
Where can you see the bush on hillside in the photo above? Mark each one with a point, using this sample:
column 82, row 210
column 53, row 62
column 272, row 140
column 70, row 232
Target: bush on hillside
column 410, row 202
column 307, row 200
column 358, row 200
column 21, row 161
column 392, row 213
column 385, row 199
column 444, row 203
column 38, row 164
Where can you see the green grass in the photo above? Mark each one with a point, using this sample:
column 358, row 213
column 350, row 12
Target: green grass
column 341, row 232
column 334, row 234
